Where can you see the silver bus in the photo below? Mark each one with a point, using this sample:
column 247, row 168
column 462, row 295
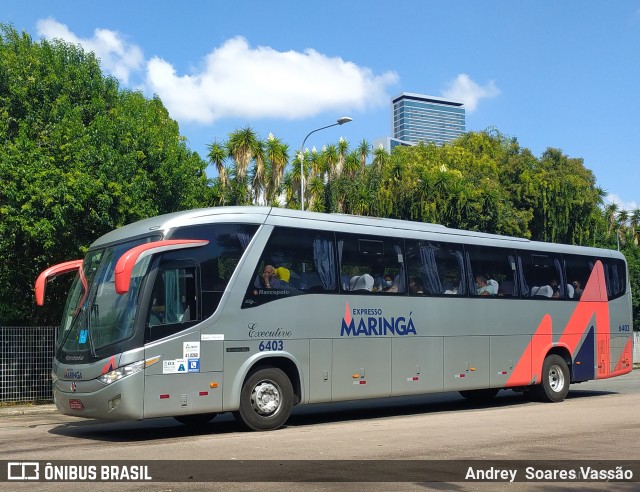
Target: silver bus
column 253, row 310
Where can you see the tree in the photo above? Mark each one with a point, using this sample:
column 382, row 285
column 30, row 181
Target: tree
column 78, row 157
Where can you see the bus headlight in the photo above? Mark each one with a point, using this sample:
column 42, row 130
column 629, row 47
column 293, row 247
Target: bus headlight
column 122, row 372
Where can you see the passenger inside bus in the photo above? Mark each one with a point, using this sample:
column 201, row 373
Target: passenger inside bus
column 415, row 286
column 275, row 278
column 388, row 284
column 555, row 288
column 484, row 288
column 577, row 289
column 361, row 283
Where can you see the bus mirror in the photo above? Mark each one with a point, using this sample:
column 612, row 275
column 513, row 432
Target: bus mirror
column 126, row 263
column 50, row 272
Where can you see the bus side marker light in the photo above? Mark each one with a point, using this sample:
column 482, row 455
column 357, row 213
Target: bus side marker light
column 361, row 381
column 355, row 376
column 501, row 373
column 203, row 393
column 472, row 369
column 578, row 362
column 213, row 385
column 151, row 361
column 460, row 375
column 415, row 378
column 165, row 397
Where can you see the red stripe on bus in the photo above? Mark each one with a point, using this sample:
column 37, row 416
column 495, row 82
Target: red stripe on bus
column 593, row 302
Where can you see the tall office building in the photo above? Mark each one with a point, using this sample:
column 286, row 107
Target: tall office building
column 419, row 118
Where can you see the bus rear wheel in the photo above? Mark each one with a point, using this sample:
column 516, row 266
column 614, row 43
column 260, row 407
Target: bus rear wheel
column 554, row 386
column 196, row 419
column 266, row 400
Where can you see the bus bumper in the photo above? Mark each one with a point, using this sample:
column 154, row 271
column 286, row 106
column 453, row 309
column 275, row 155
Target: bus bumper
column 120, row 400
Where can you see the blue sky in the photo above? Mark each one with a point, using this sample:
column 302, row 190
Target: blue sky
column 558, row 74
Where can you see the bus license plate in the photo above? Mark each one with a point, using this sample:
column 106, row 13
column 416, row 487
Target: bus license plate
column 76, row 405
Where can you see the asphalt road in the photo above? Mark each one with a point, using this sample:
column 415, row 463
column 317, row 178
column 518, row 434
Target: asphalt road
column 598, row 421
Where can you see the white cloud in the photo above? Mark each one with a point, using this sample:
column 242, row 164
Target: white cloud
column 628, row 206
column 465, row 90
column 237, row 80
column 117, row 57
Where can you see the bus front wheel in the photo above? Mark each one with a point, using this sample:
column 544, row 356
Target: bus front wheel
column 554, row 386
column 266, row 400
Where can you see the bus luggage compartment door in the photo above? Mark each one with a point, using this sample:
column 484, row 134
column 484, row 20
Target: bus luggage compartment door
column 466, row 363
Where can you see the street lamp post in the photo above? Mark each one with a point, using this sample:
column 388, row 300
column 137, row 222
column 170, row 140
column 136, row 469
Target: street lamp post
column 340, row 121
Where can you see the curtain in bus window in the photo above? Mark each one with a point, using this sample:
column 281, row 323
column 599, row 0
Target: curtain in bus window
column 428, row 258
column 514, row 280
column 460, row 259
column 401, row 276
column 523, row 281
column 324, row 261
column 172, row 296
column 561, row 282
column 244, row 239
column 611, row 278
column 344, row 279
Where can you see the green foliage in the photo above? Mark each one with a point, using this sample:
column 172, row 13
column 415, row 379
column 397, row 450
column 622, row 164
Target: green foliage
column 78, row 157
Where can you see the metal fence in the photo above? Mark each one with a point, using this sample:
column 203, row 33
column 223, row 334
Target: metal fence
column 26, row 353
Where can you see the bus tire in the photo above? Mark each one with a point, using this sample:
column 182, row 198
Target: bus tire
column 554, row 386
column 266, row 400
column 487, row 394
column 196, row 419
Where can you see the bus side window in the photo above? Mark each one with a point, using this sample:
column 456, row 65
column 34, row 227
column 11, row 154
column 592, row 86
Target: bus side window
column 435, row 268
column 615, row 274
column 542, row 276
column 294, row 262
column 493, row 271
column 372, row 264
column 173, row 305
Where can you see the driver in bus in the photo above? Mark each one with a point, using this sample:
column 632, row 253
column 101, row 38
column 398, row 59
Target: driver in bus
column 272, row 277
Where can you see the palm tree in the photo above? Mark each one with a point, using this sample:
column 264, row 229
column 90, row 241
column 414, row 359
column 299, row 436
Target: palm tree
column 364, row 149
column 276, row 153
column 241, row 146
column 260, row 182
column 380, row 157
column 634, row 221
column 610, row 213
column 217, row 155
column 351, row 164
column 622, row 229
column 343, row 147
column 330, row 158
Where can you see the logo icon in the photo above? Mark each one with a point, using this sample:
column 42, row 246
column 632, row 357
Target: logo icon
column 23, row 470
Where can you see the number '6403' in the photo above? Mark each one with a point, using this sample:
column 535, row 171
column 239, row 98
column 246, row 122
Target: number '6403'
column 271, row 345
column 624, row 328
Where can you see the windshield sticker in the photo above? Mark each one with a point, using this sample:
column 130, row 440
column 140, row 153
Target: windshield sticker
column 372, row 322
column 82, row 338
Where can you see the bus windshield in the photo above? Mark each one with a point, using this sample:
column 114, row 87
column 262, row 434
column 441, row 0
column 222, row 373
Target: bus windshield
column 95, row 315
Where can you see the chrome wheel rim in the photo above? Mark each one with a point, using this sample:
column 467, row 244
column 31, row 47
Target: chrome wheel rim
column 556, row 378
column 266, row 398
